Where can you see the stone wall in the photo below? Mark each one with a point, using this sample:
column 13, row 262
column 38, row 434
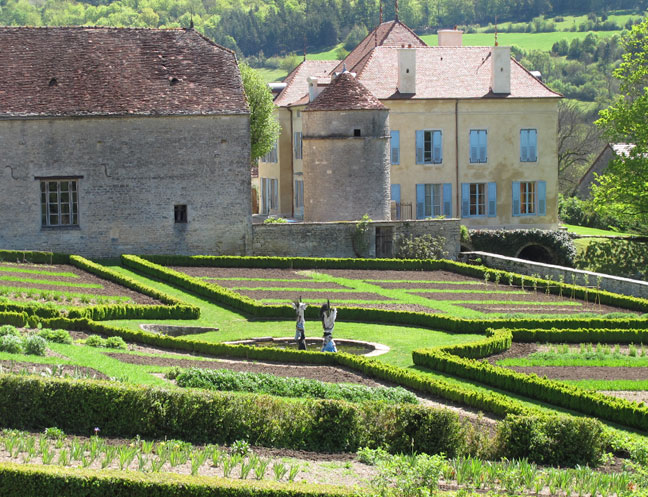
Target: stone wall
column 336, row 239
column 131, row 172
column 606, row 282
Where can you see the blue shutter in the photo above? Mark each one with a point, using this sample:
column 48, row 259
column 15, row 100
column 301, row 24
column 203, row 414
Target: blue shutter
column 516, row 198
column 492, row 199
column 465, row 199
column 420, row 201
column 419, row 147
column 436, row 147
column 474, row 146
column 447, row 199
column 524, row 145
column 542, row 198
column 395, row 147
column 482, row 146
column 395, row 193
column 533, row 145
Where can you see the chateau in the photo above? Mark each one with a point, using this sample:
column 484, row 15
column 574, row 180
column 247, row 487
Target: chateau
column 401, row 130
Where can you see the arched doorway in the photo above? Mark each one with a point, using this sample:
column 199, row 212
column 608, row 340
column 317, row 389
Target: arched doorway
column 536, row 253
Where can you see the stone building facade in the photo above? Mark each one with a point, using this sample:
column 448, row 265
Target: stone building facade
column 122, row 141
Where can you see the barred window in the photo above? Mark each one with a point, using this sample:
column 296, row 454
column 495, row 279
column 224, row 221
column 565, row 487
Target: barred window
column 59, row 202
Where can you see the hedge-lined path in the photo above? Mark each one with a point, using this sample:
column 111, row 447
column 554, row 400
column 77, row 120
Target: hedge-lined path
column 33, row 281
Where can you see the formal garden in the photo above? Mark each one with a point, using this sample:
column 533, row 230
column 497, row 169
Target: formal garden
column 139, row 376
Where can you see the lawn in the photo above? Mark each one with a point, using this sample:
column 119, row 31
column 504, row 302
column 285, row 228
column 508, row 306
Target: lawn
column 584, row 230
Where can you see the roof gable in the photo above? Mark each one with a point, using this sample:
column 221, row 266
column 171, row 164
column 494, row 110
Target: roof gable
column 73, row 71
column 296, row 81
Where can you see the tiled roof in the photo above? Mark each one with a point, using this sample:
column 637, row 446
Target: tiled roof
column 296, row 84
column 345, row 93
column 83, row 71
column 446, row 72
column 388, row 34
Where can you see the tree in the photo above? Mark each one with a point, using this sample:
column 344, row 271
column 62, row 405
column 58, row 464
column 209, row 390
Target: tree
column 624, row 187
column 264, row 127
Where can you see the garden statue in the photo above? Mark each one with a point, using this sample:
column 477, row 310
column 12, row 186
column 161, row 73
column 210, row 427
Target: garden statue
column 328, row 315
column 300, row 336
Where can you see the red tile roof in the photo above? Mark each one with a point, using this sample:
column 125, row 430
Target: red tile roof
column 79, row 71
column 446, row 72
column 345, row 93
column 297, row 86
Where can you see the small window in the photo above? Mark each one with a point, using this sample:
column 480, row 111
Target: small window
column 180, row 213
column 357, row 132
column 59, row 203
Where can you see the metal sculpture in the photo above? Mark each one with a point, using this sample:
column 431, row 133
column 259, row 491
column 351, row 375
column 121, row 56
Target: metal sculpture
column 328, row 315
column 300, row 335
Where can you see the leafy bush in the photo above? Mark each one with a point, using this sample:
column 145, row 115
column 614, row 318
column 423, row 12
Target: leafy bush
column 509, row 242
column 555, row 440
column 274, row 220
column 573, row 210
column 422, row 247
column 95, row 341
column 35, row 345
column 625, row 258
column 56, row 336
column 12, row 344
column 8, row 329
column 115, row 343
column 227, row 380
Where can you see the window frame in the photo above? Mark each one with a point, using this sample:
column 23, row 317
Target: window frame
column 525, row 134
column 299, row 193
column 394, row 147
column 272, row 155
column 539, row 201
column 46, row 203
column 298, row 147
column 478, row 133
column 429, row 157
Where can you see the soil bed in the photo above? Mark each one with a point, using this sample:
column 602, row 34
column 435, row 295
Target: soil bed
column 61, row 369
column 291, row 295
column 308, row 285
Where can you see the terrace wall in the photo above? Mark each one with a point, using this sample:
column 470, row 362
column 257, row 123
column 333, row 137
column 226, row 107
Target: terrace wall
column 335, row 239
column 616, row 284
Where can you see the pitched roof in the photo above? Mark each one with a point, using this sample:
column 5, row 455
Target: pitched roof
column 345, row 93
column 296, row 84
column 388, row 34
column 446, row 72
column 85, row 71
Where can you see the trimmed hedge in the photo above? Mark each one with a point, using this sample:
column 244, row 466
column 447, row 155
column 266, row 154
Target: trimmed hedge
column 17, row 319
column 200, row 416
column 580, row 335
column 561, row 394
column 33, row 257
column 18, row 480
column 224, row 296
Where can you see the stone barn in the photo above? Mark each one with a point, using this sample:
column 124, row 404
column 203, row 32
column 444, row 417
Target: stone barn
column 122, row 141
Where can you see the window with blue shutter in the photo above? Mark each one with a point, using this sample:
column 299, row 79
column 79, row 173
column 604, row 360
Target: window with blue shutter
column 529, row 198
column 465, row 200
column 395, row 147
column 297, row 144
column 542, row 198
column 492, row 199
column 528, row 145
column 429, row 148
column 516, row 198
column 420, row 201
column 478, row 146
column 447, row 199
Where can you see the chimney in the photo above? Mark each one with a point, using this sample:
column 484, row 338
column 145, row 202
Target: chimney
column 501, row 70
column 315, row 86
column 450, row 37
column 407, row 69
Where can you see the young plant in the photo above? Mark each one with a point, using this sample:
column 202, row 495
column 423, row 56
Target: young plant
column 261, row 467
column 279, row 469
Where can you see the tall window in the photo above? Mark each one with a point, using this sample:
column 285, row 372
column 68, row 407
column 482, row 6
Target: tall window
column 433, row 200
column 271, row 155
column 478, row 146
column 479, row 199
column 529, row 198
column 180, row 213
column 395, row 147
column 429, row 147
column 299, row 194
column 59, row 202
column 528, row 145
column 298, row 145
column 269, row 195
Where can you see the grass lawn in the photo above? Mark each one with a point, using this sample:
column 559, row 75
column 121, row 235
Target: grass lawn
column 271, row 75
column 583, row 230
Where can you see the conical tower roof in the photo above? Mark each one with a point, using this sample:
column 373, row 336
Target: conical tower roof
column 345, row 93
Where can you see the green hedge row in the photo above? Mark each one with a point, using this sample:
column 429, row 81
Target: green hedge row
column 175, row 308
column 617, row 410
column 34, row 309
column 496, row 341
column 224, row 296
column 200, row 416
column 18, row 319
column 580, row 335
column 33, row 257
column 18, row 480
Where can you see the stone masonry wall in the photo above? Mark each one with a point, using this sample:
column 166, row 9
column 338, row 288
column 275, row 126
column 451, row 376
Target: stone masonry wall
column 606, row 282
column 336, row 239
column 132, row 172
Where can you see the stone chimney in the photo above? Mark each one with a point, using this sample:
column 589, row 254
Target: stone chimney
column 315, row 86
column 407, row 69
column 501, row 70
column 450, row 37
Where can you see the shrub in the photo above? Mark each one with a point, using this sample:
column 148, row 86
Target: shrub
column 56, row 336
column 555, row 440
column 115, row 343
column 617, row 257
column 12, row 344
column 8, row 329
column 422, row 247
column 35, row 345
column 95, row 341
column 274, row 220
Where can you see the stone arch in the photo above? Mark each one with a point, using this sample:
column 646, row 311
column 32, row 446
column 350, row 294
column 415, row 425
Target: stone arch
column 537, row 253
